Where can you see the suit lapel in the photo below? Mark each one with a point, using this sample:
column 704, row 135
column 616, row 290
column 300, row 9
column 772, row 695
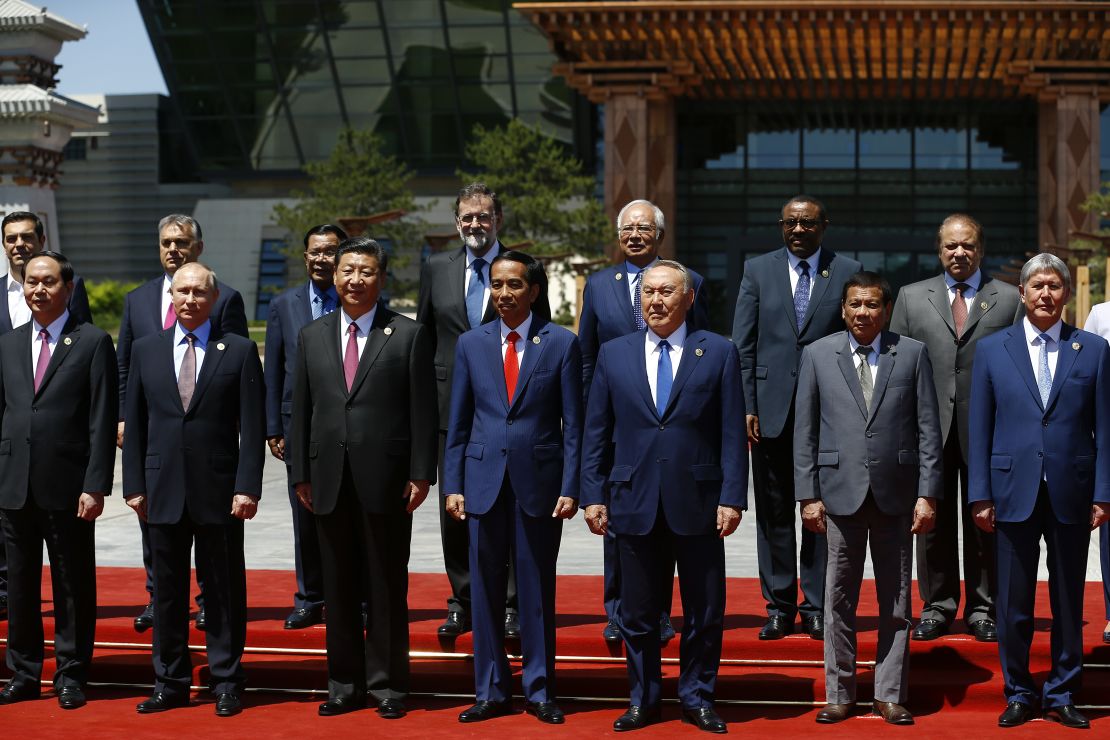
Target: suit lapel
column 638, row 368
column 167, row 369
column 1019, row 353
column 851, row 377
column 887, row 352
column 820, row 284
column 1066, row 352
column 985, row 299
column 302, row 309
column 380, row 331
column 491, row 348
column 5, row 316
column 782, row 280
column 938, row 297
column 686, row 367
column 153, row 300
column 70, row 336
column 456, row 279
column 213, row 356
column 532, row 353
column 622, row 297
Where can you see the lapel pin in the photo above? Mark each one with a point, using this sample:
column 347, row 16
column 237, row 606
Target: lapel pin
column 68, row 341
column 618, row 276
column 388, row 330
column 699, row 352
column 824, row 273
column 535, row 340
column 1075, row 345
column 984, row 305
column 220, row 346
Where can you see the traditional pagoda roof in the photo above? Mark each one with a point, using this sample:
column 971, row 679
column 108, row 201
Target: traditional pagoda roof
column 29, row 101
column 17, row 15
column 849, row 49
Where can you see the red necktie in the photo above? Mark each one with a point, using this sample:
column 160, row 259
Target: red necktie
column 959, row 309
column 171, row 316
column 512, row 369
column 350, row 357
column 44, row 357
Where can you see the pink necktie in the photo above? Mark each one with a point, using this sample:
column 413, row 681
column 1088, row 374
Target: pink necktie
column 171, row 316
column 350, row 357
column 44, row 357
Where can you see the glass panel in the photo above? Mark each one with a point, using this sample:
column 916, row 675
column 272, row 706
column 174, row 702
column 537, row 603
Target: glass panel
column 362, row 71
column 830, row 149
column 774, row 149
column 885, row 149
column 942, row 149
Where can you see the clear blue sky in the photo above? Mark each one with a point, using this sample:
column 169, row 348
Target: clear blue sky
column 114, row 58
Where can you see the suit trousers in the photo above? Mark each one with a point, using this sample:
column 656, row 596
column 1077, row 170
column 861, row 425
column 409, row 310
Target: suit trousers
column 938, row 551
column 612, row 580
column 647, row 570
column 69, row 543
column 306, row 553
column 455, row 536
column 534, row 544
column 3, row 568
column 1104, row 561
column 145, row 535
column 891, row 556
column 780, row 562
column 219, row 547
column 365, row 558
column 1019, row 551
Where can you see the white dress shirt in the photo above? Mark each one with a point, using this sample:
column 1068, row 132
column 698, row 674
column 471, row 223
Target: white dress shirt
column 167, row 299
column 521, row 342
column 1033, row 341
column 872, row 359
column 54, row 330
column 651, row 354
column 1098, row 322
column 18, row 309
column 973, row 284
column 813, row 260
column 363, row 323
column 180, row 345
column 631, row 273
column 469, row 272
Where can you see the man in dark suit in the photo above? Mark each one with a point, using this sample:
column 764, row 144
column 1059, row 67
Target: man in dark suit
column 867, row 466
column 950, row 313
column 289, row 313
column 1039, row 466
column 788, row 299
column 517, row 389
column 57, row 457
column 664, row 468
column 192, row 469
column 454, row 298
column 148, row 309
column 363, row 448
column 611, row 308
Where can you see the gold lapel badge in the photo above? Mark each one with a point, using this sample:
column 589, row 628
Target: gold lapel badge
column 220, row 346
column 699, row 352
column 618, row 276
column 984, row 305
column 388, row 330
column 535, row 340
column 824, row 273
column 1075, row 346
column 68, row 341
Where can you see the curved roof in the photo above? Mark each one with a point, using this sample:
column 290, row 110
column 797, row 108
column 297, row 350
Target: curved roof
column 17, row 15
column 24, row 101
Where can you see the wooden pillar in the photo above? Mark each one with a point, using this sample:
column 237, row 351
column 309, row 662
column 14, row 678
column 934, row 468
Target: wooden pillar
column 640, row 156
column 1068, row 161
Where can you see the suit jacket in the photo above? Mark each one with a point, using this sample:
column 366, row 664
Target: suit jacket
column 607, row 313
column 924, row 312
column 289, row 313
column 78, row 304
column 767, row 335
column 690, row 460
column 1016, row 441
column 842, row 449
column 535, row 440
column 192, row 462
column 143, row 316
column 385, row 426
column 59, row 442
column 441, row 308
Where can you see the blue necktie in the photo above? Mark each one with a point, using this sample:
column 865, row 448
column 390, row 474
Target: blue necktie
column 664, row 379
column 637, row 305
column 1044, row 375
column 475, row 292
column 322, row 305
column 801, row 293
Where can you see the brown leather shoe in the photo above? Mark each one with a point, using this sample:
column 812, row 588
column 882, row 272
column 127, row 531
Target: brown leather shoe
column 833, row 713
column 895, row 714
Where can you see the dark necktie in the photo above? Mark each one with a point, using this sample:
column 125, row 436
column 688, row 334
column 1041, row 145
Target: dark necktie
column 866, row 382
column 512, row 368
column 187, row 378
column 44, row 357
column 475, row 292
column 664, row 378
column 637, row 302
column 350, row 356
column 959, row 309
column 801, row 294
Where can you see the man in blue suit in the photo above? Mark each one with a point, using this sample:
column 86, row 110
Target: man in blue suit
column 289, row 313
column 511, row 470
column 664, row 468
column 1039, row 466
column 788, row 299
column 610, row 309
column 148, row 309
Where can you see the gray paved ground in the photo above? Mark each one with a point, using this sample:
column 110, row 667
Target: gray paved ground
column 269, row 536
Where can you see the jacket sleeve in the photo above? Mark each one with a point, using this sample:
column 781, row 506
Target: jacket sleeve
column 734, row 435
column 123, row 352
column 135, row 439
column 79, row 302
column 423, row 409
column 807, row 430
column 745, row 335
column 900, row 318
column 571, row 392
column 296, row 447
column 588, row 339
column 425, row 312
column 274, row 370
column 103, row 418
column 234, row 317
column 1102, row 426
column 459, row 425
column 981, row 427
column 699, row 313
column 596, row 439
column 252, row 426
column 930, row 476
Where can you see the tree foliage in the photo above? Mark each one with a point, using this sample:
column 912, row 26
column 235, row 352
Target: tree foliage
column 1099, row 202
column 106, row 301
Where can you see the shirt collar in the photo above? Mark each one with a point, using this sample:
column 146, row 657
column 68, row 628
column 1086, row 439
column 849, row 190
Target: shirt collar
column 363, row 322
column 55, row 327
column 634, row 271
column 1032, row 332
column 488, row 256
column 876, row 343
column 521, row 330
column 676, row 339
column 972, row 282
column 202, row 333
column 813, row 260
column 14, row 285
column 167, row 281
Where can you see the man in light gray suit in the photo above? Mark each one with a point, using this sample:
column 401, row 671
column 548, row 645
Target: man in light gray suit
column 950, row 313
column 867, row 465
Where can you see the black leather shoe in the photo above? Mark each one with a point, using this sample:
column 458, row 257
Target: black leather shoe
column 666, row 629
column 484, row 710
column 335, row 707
column 1068, row 716
column 814, row 626
column 201, row 622
column 611, row 633
column 1106, row 637
column 776, row 628
column 391, row 709
column 145, row 621
column 228, row 705
column 705, row 719
column 833, row 713
column 512, row 626
column 304, row 618
column 985, row 630
column 636, row 718
column 3, row 607
column 1017, row 713
column 895, row 714
column 455, row 625
column 161, row 702
column 929, row 629
column 13, row 693
column 71, row 697
column 547, row 712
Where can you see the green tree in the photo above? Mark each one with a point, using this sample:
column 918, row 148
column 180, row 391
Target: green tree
column 1099, row 202
column 547, row 196
column 106, row 302
column 359, row 178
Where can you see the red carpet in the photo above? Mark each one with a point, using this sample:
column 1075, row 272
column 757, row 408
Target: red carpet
column 954, row 674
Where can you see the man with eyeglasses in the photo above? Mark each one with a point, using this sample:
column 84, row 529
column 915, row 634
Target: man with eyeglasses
column 611, row 308
column 788, row 299
column 289, row 313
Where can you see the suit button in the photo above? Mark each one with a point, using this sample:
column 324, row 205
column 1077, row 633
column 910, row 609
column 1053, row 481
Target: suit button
column 958, row 371
column 510, row 421
column 793, row 373
column 34, row 408
column 662, row 427
column 1040, row 454
column 339, row 443
column 348, row 407
column 870, row 434
column 1044, row 423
